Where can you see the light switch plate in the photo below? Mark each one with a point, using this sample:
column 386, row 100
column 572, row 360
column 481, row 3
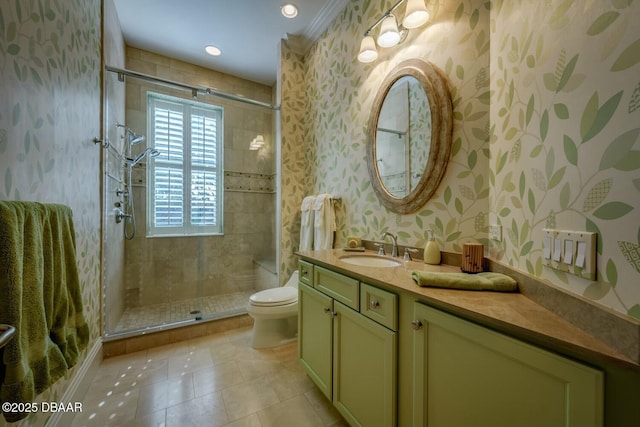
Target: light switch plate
column 581, row 261
column 548, row 238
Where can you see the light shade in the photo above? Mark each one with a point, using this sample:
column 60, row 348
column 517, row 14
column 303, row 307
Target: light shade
column 416, row 14
column 368, row 52
column 389, row 34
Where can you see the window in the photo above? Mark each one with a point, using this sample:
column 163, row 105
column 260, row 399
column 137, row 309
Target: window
column 185, row 181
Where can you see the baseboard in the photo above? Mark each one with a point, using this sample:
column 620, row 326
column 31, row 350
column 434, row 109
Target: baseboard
column 78, row 385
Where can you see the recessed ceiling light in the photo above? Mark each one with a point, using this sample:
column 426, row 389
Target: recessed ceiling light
column 289, row 10
column 212, row 50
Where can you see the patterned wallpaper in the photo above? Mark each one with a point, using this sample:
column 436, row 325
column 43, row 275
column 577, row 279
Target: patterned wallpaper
column 296, row 155
column 49, row 114
column 565, row 121
column 545, row 97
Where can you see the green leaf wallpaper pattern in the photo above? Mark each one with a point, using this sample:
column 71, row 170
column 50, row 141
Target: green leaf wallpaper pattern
column 50, row 85
column 540, row 138
column 582, row 146
column 560, row 140
column 631, row 252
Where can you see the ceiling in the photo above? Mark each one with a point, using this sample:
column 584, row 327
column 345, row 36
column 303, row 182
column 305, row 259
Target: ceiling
column 247, row 31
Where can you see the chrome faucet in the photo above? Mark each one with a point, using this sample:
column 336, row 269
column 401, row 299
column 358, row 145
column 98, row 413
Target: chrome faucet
column 394, row 249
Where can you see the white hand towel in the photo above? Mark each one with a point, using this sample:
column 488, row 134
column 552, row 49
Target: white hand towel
column 307, row 223
column 325, row 222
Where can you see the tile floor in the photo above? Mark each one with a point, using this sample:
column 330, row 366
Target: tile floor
column 218, row 380
column 158, row 314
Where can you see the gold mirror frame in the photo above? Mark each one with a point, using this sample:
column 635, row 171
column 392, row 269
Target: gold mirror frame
column 434, row 83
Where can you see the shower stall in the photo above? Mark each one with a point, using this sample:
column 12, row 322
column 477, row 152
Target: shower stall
column 158, row 272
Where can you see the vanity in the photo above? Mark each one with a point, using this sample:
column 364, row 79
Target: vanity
column 387, row 352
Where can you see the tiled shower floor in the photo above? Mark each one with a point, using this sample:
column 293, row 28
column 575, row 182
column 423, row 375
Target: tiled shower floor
column 208, row 306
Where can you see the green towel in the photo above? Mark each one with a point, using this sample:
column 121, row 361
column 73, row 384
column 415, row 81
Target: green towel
column 63, row 306
column 471, row 282
column 40, row 296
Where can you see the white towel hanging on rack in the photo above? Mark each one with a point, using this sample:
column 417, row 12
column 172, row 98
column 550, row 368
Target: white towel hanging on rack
column 325, row 222
column 307, row 223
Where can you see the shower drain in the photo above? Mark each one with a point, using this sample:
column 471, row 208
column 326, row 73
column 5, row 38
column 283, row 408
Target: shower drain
column 195, row 312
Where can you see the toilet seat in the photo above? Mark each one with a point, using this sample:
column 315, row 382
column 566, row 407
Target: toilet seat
column 274, row 297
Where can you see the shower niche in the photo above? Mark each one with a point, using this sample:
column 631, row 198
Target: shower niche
column 154, row 282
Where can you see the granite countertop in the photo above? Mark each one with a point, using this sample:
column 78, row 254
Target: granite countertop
column 509, row 312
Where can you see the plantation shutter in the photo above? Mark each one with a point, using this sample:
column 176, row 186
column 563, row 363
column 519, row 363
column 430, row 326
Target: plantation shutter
column 185, row 178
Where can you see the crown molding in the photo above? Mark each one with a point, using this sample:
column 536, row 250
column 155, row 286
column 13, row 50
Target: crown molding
column 300, row 43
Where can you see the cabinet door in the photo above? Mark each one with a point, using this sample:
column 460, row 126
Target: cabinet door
column 315, row 336
column 364, row 378
column 465, row 374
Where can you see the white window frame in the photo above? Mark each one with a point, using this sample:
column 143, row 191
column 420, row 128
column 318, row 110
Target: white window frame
column 187, row 166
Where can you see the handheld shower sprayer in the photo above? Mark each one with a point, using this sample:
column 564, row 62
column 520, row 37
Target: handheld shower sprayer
column 150, row 151
column 128, row 213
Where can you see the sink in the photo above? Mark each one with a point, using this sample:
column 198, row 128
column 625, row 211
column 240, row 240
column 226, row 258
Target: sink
column 370, row 260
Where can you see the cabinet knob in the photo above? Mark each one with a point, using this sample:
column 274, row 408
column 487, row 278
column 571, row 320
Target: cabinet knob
column 327, row 310
column 305, row 273
column 416, row 325
column 374, row 304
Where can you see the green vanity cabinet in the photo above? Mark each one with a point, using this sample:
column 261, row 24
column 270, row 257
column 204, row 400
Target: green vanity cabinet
column 465, row 374
column 315, row 337
column 351, row 357
column 364, row 369
column 305, row 272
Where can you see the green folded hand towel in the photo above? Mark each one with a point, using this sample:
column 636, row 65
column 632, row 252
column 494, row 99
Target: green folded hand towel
column 472, row 282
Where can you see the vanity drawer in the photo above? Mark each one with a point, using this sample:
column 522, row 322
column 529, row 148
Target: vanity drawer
column 339, row 287
column 305, row 272
column 379, row 305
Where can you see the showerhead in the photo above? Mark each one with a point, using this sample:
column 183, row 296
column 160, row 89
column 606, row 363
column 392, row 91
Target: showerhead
column 136, row 139
column 132, row 137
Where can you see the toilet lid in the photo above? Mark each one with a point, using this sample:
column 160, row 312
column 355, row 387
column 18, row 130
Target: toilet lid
column 275, row 296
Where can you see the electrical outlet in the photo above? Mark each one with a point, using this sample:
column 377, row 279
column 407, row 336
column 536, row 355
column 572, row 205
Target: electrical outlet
column 495, row 233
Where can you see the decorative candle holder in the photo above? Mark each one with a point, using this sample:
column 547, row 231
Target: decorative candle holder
column 472, row 256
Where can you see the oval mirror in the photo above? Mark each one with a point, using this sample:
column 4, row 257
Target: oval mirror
column 409, row 133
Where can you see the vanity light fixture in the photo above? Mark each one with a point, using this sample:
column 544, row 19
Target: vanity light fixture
column 389, row 33
column 368, row 52
column 289, row 10
column 257, row 143
column 416, row 14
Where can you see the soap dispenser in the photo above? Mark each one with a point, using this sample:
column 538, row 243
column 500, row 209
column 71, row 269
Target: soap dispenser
column 431, row 250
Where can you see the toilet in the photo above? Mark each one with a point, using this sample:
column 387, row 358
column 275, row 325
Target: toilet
column 275, row 314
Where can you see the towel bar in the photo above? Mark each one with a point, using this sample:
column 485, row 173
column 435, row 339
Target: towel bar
column 6, row 333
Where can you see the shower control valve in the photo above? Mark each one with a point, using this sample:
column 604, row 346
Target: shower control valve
column 120, row 215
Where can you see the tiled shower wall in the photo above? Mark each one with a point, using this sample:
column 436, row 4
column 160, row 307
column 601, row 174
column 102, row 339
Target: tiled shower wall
column 174, row 268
